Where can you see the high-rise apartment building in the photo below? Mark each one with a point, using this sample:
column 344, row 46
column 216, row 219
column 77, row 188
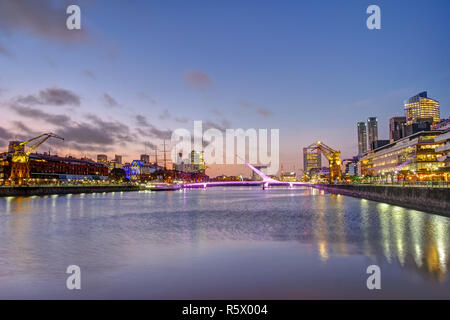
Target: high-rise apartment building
column 396, row 128
column 420, row 106
column 372, row 131
column 362, row 138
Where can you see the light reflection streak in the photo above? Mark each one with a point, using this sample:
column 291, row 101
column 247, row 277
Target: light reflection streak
column 385, row 231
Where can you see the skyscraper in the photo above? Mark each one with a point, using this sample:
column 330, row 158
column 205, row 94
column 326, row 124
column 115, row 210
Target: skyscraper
column 362, row 138
column 420, row 106
column 396, row 128
column 372, row 131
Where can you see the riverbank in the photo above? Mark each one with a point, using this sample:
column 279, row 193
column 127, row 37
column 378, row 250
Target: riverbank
column 433, row 200
column 49, row 190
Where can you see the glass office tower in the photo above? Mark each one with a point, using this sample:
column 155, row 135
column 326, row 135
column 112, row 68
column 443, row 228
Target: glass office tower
column 362, row 138
column 372, row 132
column 421, row 107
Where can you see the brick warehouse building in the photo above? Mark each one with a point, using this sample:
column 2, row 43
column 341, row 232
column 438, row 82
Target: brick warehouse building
column 44, row 168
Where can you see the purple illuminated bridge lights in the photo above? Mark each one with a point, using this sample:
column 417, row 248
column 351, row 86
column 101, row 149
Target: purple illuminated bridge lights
column 266, row 182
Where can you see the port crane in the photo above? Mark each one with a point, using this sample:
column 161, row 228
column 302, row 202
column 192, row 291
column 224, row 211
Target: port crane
column 20, row 168
column 333, row 157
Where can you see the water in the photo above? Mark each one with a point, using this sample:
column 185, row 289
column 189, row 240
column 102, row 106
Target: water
column 220, row 243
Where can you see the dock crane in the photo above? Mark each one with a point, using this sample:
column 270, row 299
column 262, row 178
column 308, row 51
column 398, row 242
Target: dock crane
column 20, row 168
column 333, row 157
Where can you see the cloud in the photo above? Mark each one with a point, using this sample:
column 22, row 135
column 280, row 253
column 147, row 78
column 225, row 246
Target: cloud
column 146, row 129
column 211, row 124
column 86, row 133
column 264, row 112
column 146, row 97
column 116, row 128
column 52, row 96
column 141, row 121
column 44, row 18
column 89, row 148
column 89, row 74
column 95, row 134
column 259, row 110
column 110, row 101
column 28, row 112
column 216, row 112
column 153, row 132
column 181, row 119
column 224, row 122
column 165, row 115
column 23, row 128
column 150, row 144
column 22, row 133
column 198, row 79
column 5, row 134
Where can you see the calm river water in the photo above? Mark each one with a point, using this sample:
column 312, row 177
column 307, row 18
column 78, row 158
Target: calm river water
column 220, row 243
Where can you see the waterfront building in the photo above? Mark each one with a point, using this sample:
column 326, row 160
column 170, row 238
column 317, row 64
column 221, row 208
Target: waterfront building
column 289, row 176
column 118, row 159
column 45, row 168
column 379, row 143
column 145, row 158
column 416, row 155
column 351, row 166
column 420, row 106
column 312, row 161
column 444, row 124
column 137, row 170
column 422, row 124
column 372, row 131
column 351, row 169
column 362, row 138
column 396, row 128
column 185, row 167
column 228, row 178
column 444, row 148
column 198, row 160
column 114, row 165
column 102, row 158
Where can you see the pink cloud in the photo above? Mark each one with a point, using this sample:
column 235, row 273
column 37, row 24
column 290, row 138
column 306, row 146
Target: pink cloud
column 198, row 79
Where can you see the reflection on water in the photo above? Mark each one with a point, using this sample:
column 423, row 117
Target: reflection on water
column 113, row 230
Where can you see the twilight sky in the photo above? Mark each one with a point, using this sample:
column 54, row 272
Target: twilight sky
column 139, row 69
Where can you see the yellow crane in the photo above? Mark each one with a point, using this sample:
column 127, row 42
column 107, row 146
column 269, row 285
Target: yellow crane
column 333, row 157
column 20, row 168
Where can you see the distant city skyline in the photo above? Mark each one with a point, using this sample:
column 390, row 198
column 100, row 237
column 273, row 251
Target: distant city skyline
column 136, row 72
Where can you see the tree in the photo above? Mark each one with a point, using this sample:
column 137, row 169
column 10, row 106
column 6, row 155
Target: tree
column 118, row 175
